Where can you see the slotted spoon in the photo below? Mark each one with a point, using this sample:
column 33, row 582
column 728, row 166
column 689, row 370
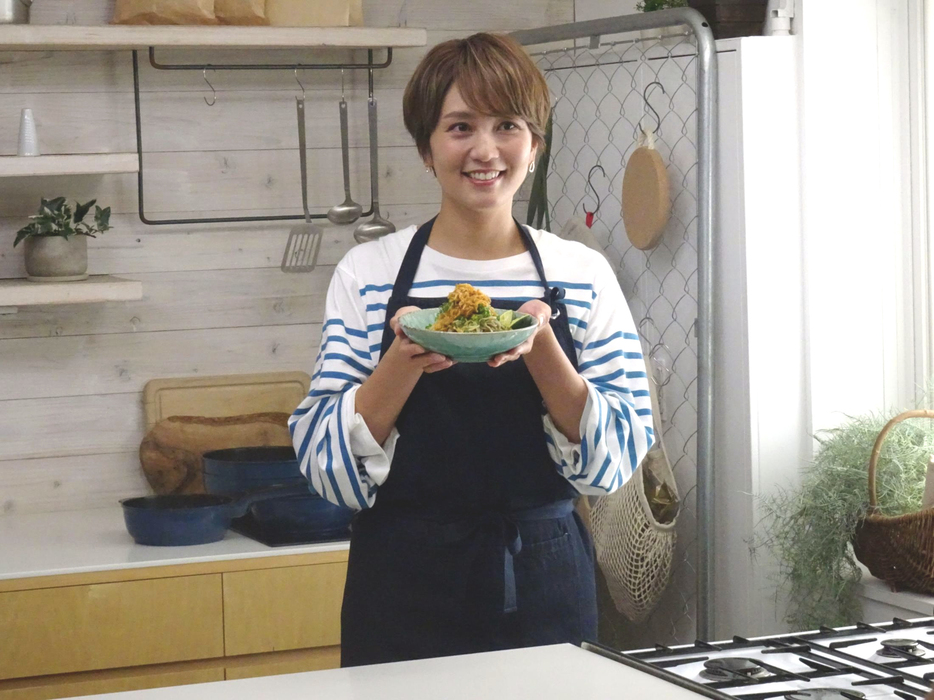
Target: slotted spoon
column 301, row 249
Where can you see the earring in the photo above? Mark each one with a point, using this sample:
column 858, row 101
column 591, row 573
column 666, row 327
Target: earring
column 427, row 168
column 532, row 167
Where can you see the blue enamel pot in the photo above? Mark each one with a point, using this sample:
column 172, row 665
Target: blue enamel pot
column 242, row 469
column 238, row 470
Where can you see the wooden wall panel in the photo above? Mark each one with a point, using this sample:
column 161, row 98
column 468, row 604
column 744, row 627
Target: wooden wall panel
column 88, row 365
column 214, row 299
column 219, row 182
column 188, row 301
column 93, row 481
column 180, row 121
column 132, row 247
column 74, row 425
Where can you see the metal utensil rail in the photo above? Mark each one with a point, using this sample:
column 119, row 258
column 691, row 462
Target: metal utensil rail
column 369, row 66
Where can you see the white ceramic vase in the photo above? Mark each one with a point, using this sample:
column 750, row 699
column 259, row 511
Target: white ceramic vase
column 28, row 138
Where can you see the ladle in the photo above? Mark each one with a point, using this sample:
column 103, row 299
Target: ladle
column 348, row 211
column 377, row 226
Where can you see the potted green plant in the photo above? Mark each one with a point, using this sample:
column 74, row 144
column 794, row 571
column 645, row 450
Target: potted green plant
column 56, row 240
column 809, row 527
column 653, row 5
column 733, row 18
column 669, row 36
column 727, row 18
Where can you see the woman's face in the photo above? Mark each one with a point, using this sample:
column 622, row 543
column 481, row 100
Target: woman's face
column 480, row 160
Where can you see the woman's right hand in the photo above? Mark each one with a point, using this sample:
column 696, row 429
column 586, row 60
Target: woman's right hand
column 413, row 354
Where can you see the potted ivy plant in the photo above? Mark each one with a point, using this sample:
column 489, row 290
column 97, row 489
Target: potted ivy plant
column 56, row 239
column 727, row 18
column 809, row 527
column 653, row 5
column 667, row 35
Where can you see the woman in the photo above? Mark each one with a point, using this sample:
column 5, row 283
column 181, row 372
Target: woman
column 464, row 474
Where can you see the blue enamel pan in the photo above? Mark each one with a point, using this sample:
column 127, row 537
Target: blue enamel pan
column 196, row 518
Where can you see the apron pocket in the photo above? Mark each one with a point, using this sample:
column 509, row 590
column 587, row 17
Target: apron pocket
column 548, row 592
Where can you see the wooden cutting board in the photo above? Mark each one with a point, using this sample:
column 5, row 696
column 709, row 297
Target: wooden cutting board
column 224, row 395
column 187, row 417
column 646, row 198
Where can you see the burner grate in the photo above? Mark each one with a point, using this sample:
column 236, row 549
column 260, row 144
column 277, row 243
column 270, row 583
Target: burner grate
column 902, row 648
column 826, row 694
column 733, row 668
column 830, row 664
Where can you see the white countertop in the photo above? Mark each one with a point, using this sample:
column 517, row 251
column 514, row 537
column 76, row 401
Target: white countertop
column 82, row 541
column 559, row 672
column 878, row 590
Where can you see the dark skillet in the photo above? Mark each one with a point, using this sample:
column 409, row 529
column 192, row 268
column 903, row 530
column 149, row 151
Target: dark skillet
column 192, row 518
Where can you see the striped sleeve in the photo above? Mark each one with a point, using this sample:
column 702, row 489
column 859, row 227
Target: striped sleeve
column 335, row 449
column 616, row 426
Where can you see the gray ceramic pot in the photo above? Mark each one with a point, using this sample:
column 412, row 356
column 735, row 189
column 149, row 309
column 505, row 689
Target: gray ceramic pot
column 56, row 259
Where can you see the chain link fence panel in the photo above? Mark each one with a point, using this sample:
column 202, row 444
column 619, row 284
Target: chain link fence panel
column 603, row 97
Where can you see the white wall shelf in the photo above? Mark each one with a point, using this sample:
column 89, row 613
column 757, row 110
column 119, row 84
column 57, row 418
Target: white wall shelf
column 121, row 37
column 81, row 164
column 96, row 288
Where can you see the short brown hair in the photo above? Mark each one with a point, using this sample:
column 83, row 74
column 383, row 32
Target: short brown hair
column 495, row 76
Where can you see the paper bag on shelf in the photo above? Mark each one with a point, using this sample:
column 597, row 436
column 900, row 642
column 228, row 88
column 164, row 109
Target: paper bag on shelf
column 164, row 12
column 315, row 13
column 250, row 12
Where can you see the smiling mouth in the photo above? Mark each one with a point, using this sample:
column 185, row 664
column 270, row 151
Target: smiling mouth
column 485, row 176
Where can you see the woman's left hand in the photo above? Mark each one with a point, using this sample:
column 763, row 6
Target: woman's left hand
column 542, row 313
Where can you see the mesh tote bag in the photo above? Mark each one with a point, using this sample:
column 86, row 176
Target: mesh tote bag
column 635, row 546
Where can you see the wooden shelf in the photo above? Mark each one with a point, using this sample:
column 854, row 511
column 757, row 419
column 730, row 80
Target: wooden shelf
column 112, row 37
column 21, row 292
column 86, row 164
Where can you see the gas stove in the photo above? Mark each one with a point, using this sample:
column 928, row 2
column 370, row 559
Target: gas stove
column 862, row 662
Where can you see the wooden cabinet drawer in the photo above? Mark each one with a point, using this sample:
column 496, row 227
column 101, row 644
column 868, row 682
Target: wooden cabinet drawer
column 294, row 661
column 289, row 608
column 110, row 625
column 97, row 682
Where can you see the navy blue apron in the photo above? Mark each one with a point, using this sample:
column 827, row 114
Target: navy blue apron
column 473, row 543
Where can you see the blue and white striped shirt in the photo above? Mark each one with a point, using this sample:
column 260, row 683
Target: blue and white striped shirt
column 344, row 462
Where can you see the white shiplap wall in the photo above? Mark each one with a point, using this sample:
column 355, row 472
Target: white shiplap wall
column 215, row 301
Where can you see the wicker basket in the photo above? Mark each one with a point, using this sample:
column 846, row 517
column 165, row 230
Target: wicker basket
column 897, row 549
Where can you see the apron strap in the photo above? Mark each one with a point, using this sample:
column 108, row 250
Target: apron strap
column 413, row 254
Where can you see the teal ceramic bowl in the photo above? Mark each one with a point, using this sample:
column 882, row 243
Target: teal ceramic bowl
column 462, row 347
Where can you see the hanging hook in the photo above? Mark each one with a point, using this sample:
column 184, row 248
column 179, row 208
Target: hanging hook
column 204, row 73
column 590, row 214
column 645, row 97
column 299, row 83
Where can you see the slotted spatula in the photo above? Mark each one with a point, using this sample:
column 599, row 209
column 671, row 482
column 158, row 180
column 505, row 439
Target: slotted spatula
column 301, row 249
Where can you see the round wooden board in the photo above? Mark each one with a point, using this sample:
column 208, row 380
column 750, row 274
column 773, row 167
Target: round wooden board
column 646, row 198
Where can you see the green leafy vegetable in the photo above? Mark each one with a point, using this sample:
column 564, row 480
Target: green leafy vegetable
column 486, row 320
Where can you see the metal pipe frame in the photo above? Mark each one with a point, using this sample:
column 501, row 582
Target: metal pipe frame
column 369, row 66
column 707, row 107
